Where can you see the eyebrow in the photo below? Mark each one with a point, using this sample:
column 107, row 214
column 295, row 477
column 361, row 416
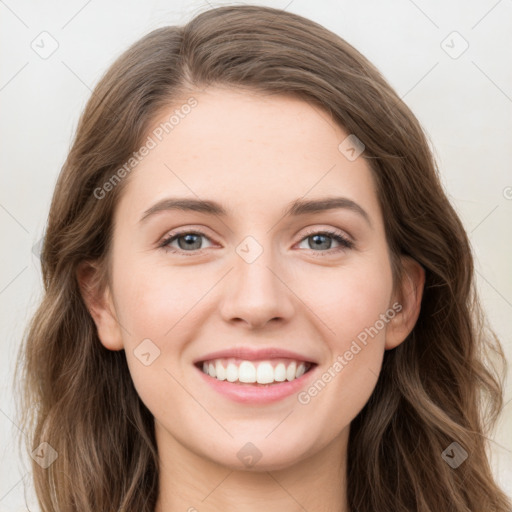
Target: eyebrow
column 295, row 208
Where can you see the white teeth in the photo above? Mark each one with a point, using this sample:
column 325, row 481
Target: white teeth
column 262, row 372
column 246, row 372
column 265, row 373
column 291, row 371
column 280, row 372
column 231, row 372
column 221, row 372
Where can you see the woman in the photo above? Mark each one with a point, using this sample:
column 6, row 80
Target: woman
column 199, row 347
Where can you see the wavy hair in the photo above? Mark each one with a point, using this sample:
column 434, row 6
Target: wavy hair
column 443, row 384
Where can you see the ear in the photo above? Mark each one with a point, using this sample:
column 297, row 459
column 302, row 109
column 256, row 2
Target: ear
column 409, row 297
column 98, row 300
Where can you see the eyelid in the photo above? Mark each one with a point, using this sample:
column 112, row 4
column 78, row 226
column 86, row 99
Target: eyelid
column 192, row 229
column 329, row 230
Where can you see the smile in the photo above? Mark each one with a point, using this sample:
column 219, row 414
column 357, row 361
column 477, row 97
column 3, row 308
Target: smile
column 255, row 372
column 256, row 382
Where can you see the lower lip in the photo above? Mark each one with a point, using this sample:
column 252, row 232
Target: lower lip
column 246, row 393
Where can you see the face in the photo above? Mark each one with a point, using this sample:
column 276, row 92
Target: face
column 255, row 282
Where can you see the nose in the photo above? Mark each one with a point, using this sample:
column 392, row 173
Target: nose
column 256, row 293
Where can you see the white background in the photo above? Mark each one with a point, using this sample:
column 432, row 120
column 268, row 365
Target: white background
column 463, row 103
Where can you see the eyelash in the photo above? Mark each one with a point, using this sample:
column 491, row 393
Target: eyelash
column 344, row 242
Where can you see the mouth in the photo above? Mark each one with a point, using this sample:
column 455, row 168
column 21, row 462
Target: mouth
column 262, row 373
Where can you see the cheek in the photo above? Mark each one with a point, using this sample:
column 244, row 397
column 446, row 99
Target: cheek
column 161, row 310
column 350, row 299
column 352, row 305
column 159, row 317
column 157, row 300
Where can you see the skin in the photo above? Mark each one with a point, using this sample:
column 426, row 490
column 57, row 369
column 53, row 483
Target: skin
column 253, row 154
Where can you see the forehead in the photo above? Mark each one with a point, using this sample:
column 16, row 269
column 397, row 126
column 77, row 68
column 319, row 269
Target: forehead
column 246, row 150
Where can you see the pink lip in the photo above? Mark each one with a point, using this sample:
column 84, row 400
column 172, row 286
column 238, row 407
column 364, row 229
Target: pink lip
column 250, row 354
column 251, row 394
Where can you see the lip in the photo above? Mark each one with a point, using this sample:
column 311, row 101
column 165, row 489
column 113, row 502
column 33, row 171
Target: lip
column 263, row 394
column 251, row 354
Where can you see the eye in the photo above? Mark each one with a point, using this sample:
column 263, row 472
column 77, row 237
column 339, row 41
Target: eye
column 321, row 241
column 188, row 241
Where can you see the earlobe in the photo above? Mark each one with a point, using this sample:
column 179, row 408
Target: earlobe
column 99, row 303
column 410, row 295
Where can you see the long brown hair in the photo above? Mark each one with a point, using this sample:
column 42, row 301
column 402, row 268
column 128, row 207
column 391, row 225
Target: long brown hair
column 442, row 385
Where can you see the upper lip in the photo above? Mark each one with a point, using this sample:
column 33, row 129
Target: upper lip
column 254, row 354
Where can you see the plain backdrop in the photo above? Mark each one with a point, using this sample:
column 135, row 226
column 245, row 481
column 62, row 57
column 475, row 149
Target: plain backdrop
column 449, row 61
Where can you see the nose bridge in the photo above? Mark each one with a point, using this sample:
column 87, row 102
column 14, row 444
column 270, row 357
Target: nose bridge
column 255, row 291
